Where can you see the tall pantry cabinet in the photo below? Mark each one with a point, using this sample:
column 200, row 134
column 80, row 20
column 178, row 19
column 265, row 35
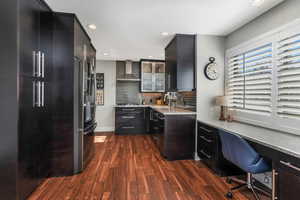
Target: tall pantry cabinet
column 43, row 59
column 26, row 64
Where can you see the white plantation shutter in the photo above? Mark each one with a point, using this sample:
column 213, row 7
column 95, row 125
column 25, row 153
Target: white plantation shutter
column 263, row 80
column 236, row 83
column 258, row 79
column 288, row 72
column 250, row 80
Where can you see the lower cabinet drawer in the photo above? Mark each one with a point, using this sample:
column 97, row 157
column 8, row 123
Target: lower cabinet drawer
column 130, row 121
column 206, row 151
column 127, row 130
column 130, row 127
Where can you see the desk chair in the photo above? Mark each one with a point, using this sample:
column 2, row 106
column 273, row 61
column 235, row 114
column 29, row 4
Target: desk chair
column 236, row 150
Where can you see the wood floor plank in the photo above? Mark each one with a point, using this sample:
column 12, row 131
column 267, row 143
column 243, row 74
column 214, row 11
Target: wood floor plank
column 131, row 168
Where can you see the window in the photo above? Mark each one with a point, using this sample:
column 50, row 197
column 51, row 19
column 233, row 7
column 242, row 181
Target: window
column 263, row 80
column 250, row 80
column 288, row 68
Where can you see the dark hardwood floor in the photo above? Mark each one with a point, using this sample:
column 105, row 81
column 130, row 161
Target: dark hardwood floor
column 130, row 167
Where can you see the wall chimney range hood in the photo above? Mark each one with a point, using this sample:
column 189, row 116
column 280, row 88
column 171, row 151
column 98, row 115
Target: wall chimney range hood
column 128, row 67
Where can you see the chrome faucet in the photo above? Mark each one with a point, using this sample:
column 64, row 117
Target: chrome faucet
column 172, row 99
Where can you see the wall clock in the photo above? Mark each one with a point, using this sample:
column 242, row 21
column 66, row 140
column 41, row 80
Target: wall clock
column 211, row 71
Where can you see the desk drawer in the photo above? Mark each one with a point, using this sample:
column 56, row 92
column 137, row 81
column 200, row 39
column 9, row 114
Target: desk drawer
column 208, row 150
column 206, row 133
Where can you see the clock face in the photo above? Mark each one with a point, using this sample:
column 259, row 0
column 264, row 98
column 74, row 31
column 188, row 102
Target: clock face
column 211, row 71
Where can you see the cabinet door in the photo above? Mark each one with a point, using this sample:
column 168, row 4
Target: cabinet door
column 44, row 132
column 29, row 37
column 46, row 42
column 159, row 77
column 28, row 137
column 287, row 181
column 146, row 76
column 185, row 62
column 171, row 67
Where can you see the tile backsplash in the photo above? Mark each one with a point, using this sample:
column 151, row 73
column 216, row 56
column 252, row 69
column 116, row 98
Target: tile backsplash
column 187, row 100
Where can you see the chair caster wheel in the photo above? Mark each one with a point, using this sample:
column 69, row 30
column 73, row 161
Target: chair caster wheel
column 229, row 195
column 229, row 180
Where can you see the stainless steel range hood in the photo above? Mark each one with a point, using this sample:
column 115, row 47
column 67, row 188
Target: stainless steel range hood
column 128, row 67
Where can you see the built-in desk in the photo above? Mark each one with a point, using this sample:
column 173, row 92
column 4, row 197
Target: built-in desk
column 284, row 142
column 282, row 148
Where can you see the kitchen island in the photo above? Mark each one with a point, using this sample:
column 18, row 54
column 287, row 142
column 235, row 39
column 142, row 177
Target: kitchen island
column 172, row 129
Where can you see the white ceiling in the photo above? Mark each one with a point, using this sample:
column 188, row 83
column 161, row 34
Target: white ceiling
column 131, row 29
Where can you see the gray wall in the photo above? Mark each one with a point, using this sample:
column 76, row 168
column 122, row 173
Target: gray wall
column 105, row 115
column 282, row 14
column 207, row 90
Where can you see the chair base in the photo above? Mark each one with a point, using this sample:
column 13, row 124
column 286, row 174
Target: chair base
column 249, row 184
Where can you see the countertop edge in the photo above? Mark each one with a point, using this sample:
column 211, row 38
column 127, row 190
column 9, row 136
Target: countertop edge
column 157, row 108
column 253, row 139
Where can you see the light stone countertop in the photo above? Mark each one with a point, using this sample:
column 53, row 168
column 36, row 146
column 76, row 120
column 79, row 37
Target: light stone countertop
column 281, row 141
column 162, row 109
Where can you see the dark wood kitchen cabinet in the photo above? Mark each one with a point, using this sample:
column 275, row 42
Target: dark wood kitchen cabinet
column 26, row 74
column 180, row 63
column 130, row 120
column 174, row 135
column 37, row 77
column 286, row 177
column 210, row 151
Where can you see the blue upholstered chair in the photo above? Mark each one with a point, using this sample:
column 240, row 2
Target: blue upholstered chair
column 237, row 150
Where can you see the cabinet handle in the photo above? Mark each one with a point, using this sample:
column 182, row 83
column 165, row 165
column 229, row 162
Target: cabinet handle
column 43, row 65
column 33, row 93
column 128, row 110
column 38, row 104
column 274, row 174
column 128, row 127
column 151, row 115
column 43, row 94
column 205, row 139
column 203, row 152
column 128, row 117
column 205, row 129
column 290, row 165
column 161, row 118
column 34, row 63
column 39, row 64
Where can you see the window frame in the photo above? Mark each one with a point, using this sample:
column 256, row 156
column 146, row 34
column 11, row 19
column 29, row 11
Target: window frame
column 272, row 121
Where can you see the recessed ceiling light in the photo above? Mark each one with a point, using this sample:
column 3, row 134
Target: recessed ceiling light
column 92, row 26
column 105, row 54
column 150, row 56
column 164, row 33
column 257, row 3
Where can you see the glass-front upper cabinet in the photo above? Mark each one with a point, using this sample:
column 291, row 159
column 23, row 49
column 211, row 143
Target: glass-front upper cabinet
column 153, row 76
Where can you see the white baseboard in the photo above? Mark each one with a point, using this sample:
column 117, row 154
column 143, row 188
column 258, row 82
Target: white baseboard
column 105, row 129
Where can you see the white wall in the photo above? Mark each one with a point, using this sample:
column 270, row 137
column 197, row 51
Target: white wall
column 105, row 115
column 282, row 14
column 207, row 90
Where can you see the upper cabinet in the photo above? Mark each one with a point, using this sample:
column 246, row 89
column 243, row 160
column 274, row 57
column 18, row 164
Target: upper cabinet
column 152, row 76
column 180, row 63
column 35, row 26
